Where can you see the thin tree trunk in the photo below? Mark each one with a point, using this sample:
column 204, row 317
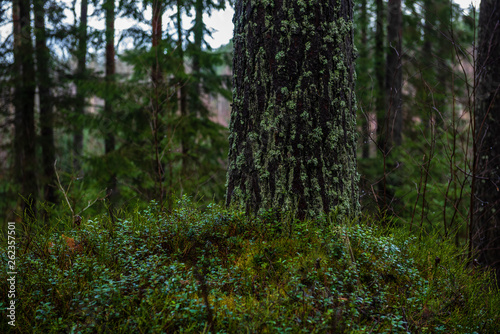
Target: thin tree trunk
column 18, row 126
column 25, row 96
column 293, row 123
column 182, row 96
column 199, row 27
column 363, row 54
column 428, row 69
column 389, row 122
column 446, row 54
column 157, row 103
column 394, row 77
column 379, row 56
column 156, row 75
column 80, row 77
column 195, row 103
column 46, row 108
column 109, row 138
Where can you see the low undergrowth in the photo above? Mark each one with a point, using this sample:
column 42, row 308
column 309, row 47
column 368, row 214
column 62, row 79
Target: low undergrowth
column 218, row 271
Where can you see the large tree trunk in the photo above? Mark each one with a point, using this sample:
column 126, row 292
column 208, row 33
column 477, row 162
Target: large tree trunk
column 80, row 76
column 293, row 123
column 109, row 138
column 25, row 108
column 46, row 112
column 485, row 230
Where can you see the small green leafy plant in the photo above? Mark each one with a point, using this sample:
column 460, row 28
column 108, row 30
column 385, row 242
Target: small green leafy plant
column 217, row 270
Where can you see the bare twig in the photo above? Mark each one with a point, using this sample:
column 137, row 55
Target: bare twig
column 90, row 204
column 62, row 190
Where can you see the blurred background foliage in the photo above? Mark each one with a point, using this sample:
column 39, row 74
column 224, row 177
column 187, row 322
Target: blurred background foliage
column 169, row 96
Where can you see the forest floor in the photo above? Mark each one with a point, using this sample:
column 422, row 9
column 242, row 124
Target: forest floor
column 216, row 270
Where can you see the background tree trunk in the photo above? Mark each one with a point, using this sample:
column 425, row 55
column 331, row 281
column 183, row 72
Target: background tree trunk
column 394, row 78
column 428, row 73
column 379, row 56
column 157, row 101
column 109, row 138
column 80, row 96
column 156, row 75
column 25, row 101
column 185, row 149
column 363, row 54
column 293, row 123
column 198, row 29
column 444, row 58
column 390, row 126
column 485, row 230
column 17, row 77
column 46, row 108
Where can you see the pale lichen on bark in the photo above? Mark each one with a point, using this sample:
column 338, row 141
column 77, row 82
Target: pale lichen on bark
column 293, row 125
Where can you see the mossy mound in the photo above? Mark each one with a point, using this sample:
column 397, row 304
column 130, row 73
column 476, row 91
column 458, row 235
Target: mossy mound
column 217, row 270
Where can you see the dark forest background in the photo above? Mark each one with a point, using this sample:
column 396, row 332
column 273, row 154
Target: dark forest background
column 125, row 124
column 91, row 122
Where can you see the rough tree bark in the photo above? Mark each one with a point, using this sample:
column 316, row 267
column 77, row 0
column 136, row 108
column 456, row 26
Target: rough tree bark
column 485, row 230
column 293, row 123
